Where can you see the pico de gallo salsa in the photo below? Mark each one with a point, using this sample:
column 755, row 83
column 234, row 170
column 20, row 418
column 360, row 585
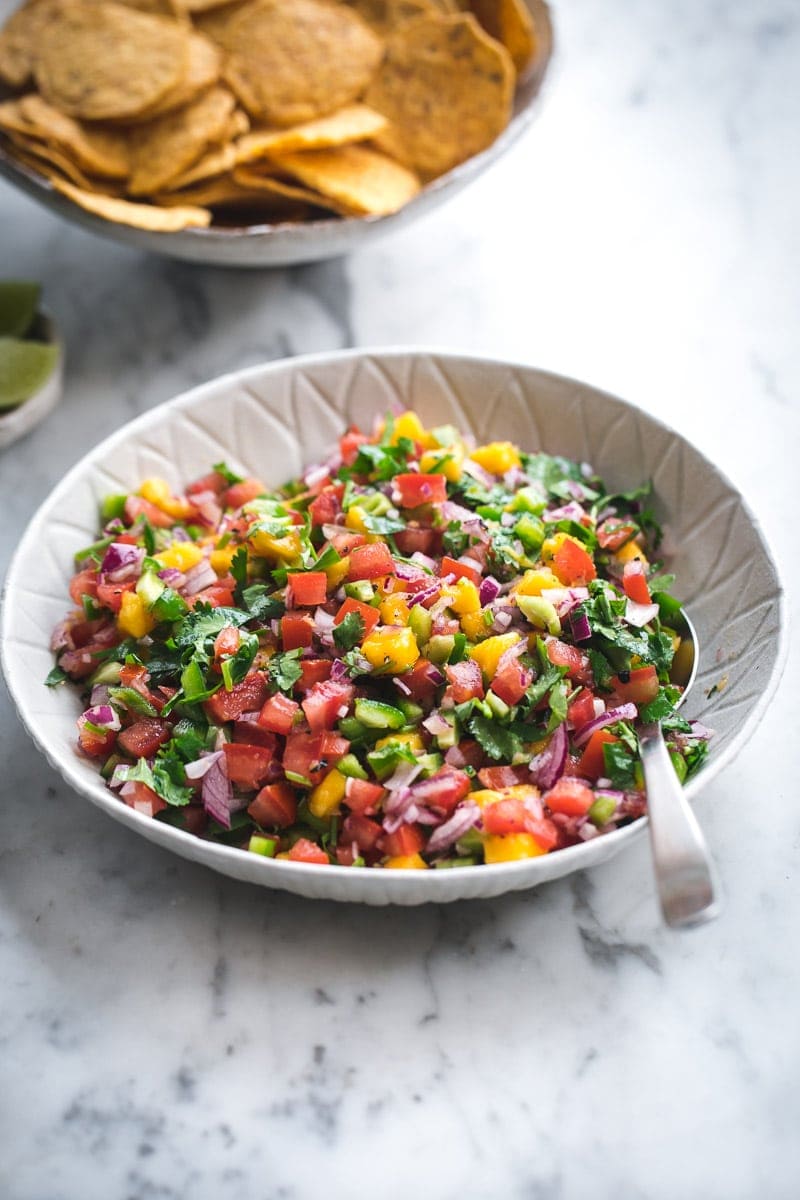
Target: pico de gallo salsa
column 421, row 654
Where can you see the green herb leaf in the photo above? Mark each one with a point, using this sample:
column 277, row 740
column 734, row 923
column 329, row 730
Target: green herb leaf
column 497, row 740
column 227, row 474
column 349, row 632
column 55, row 677
column 284, row 670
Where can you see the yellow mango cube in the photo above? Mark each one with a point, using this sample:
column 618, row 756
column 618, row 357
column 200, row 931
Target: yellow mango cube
column 181, row 556
column 410, row 739
column 465, row 597
column 391, row 648
column 510, row 847
column 406, row 862
column 222, row 558
column 534, row 582
column 157, row 491
column 444, row 460
column 354, row 519
column 394, row 611
column 488, row 654
column 408, row 425
column 133, row 618
column 474, row 626
column 266, row 545
column 326, row 797
column 337, row 572
column 629, row 552
column 551, row 546
column 485, row 796
column 497, row 457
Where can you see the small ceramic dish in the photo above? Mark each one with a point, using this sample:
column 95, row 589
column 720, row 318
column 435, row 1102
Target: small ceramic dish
column 273, row 420
column 16, row 422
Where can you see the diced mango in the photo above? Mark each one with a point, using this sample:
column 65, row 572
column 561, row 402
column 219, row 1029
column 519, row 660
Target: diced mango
column 326, row 797
column 485, row 796
column 629, row 552
column 410, row 739
column 181, row 556
column 408, row 425
column 444, row 460
column 394, row 611
column 534, row 582
column 473, row 624
column 222, row 558
column 488, row 654
column 133, row 619
column 157, row 491
column 337, row 572
column 266, row 545
column 509, row 847
column 465, row 597
column 550, row 548
column 391, row 648
column 497, row 457
column 354, row 519
column 406, row 862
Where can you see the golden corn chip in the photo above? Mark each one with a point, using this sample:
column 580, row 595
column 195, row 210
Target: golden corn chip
column 215, row 162
column 14, row 120
column 354, row 123
column 446, row 88
column 385, row 15
column 167, row 146
column 200, row 6
column 203, row 70
column 359, row 178
column 510, row 22
column 290, row 63
column 48, row 162
column 100, row 61
column 238, row 125
column 140, row 216
column 100, row 151
column 216, row 23
column 18, row 40
column 269, row 180
column 211, row 193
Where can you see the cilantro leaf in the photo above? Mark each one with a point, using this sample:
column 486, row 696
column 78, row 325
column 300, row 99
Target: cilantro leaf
column 662, row 706
column 55, row 677
column 558, row 705
column 227, row 474
column 236, row 667
column 497, row 740
column 620, row 765
column 284, row 670
column 260, row 605
column 382, row 525
column 350, row 631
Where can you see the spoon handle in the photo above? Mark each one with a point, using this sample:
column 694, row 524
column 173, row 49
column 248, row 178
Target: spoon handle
column 685, row 876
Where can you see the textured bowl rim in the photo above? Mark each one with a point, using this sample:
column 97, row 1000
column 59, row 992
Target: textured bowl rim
column 526, row 873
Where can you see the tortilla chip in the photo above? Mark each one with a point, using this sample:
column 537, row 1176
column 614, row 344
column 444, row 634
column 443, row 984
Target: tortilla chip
column 203, row 70
column 51, row 164
column 385, row 15
column 269, row 180
column 14, row 120
column 167, row 146
column 238, row 125
column 355, row 123
column 200, row 6
column 265, row 205
column 215, row 162
column 140, row 216
column 101, row 61
column 446, row 88
column 102, row 152
column 362, row 180
column 510, row 22
column 290, row 63
column 18, row 40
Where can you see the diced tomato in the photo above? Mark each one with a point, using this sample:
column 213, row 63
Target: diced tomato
column 275, row 805
column 226, row 643
column 142, row 739
column 250, row 733
column 368, row 614
column 142, row 798
column 570, row 797
column 592, row 763
column 242, row 493
column 612, row 533
column 361, row 830
column 461, row 570
column 466, row 681
column 581, row 710
column 408, row 839
column 325, row 508
column 497, row 778
column 213, row 482
column 506, row 816
column 314, row 670
column 343, row 543
column 640, row 688
column 308, row 588
column 136, row 677
column 363, row 796
column 470, row 752
column 349, row 444
column 444, row 790
column 110, row 594
column 511, row 681
column 219, row 595
column 415, row 541
column 278, row 714
column 573, row 565
column 345, row 856
column 370, row 562
column 306, row 851
column 246, row 696
column 324, row 704
column 634, row 582
column 412, row 490
column 247, row 765
column 297, row 630
column 421, row 686
column 137, row 506
column 311, row 755
column 96, row 745
column 576, row 661
column 83, row 584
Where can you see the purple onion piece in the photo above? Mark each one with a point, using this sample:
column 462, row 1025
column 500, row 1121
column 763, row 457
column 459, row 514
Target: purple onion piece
column 581, row 629
column 462, row 820
column 489, row 590
column 121, row 562
column 218, row 793
column 548, row 767
column 104, row 716
column 625, row 712
column 199, row 578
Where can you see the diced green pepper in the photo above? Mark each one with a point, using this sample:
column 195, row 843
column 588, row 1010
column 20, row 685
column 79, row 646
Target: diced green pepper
column 421, row 623
column 361, row 590
column 377, row 715
column 262, row 845
column 440, row 647
column 112, row 507
column 540, row 612
column 528, row 499
column 350, row 767
column 602, row 810
column 530, row 531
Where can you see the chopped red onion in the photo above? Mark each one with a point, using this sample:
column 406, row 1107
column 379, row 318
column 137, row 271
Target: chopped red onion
column 121, row 562
column 119, row 776
column 323, row 621
column 502, row 619
column 462, row 820
column 477, row 472
column 61, row 638
column 172, row 577
column 567, row 512
column 202, row 765
column 329, row 531
column 424, row 561
column 436, row 724
column 510, row 655
column 434, row 675
column 514, row 478
column 455, row 757
column 401, row 686
column 640, row 614
column 104, row 716
column 403, row 775
column 548, row 767
column 489, row 590
column 701, row 731
column 100, row 694
column 207, row 508
column 315, row 475
column 426, row 594
column 199, row 578
column 625, row 712
column 580, row 627
column 338, row 670
column 218, row 792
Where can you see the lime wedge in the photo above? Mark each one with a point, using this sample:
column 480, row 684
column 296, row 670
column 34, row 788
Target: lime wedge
column 24, row 368
column 18, row 303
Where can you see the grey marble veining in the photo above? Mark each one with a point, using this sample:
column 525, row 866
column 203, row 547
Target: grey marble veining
column 169, row 1035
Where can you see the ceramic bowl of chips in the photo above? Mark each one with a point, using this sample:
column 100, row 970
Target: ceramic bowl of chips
column 254, row 133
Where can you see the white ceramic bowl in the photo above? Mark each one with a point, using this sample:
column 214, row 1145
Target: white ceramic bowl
column 271, row 421
column 18, row 421
column 311, row 241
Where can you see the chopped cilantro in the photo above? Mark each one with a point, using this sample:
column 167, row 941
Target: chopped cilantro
column 350, row 631
column 227, row 474
column 497, row 740
column 284, row 670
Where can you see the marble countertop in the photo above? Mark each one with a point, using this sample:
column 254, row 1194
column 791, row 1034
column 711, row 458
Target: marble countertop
column 167, row 1034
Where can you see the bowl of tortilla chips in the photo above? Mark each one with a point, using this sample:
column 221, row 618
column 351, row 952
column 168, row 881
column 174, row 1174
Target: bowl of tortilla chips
column 261, row 132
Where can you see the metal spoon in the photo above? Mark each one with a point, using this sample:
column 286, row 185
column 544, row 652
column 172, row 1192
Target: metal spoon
column 685, row 877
